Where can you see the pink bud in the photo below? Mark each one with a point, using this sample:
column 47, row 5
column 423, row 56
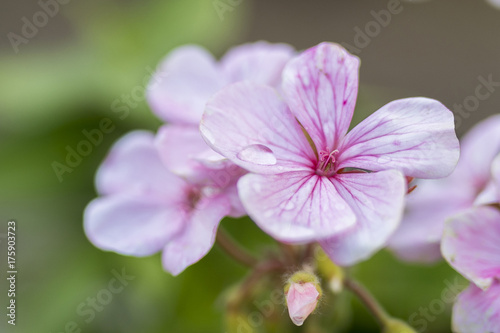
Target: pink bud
column 301, row 299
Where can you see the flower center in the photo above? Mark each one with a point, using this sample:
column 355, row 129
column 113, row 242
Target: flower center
column 193, row 196
column 326, row 165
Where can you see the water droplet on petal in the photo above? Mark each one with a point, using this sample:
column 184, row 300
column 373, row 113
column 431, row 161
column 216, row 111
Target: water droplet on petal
column 208, row 191
column 257, row 154
column 383, row 159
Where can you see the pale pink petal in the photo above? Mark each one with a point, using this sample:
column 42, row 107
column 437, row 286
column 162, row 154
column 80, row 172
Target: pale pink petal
column 488, row 195
column 131, row 224
column 295, row 206
column 477, row 311
column 133, row 163
column 210, row 158
column 471, row 244
column 321, row 86
column 418, row 237
column 495, row 178
column 494, row 3
column 415, row 136
column 259, row 62
column 185, row 153
column 377, row 199
column 198, row 237
column 301, row 299
column 478, row 149
column 179, row 146
column 183, row 83
column 237, row 208
column 250, row 125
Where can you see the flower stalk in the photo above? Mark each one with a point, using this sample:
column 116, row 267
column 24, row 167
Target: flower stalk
column 234, row 250
column 368, row 300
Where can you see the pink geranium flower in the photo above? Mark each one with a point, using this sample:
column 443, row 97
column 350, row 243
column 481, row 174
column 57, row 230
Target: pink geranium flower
column 308, row 180
column 144, row 208
column 419, row 236
column 471, row 245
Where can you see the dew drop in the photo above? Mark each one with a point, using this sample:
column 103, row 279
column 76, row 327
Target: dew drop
column 208, row 191
column 257, row 154
column 383, row 160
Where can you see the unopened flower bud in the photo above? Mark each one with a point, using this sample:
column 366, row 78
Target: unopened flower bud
column 302, row 292
column 397, row 326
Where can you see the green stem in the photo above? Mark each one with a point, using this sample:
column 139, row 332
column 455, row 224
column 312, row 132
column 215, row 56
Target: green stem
column 252, row 279
column 309, row 253
column 288, row 254
column 369, row 301
column 233, row 249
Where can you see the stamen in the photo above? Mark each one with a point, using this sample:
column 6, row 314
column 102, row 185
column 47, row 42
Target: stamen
column 327, row 160
column 410, row 188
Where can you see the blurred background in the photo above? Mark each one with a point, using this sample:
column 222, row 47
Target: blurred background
column 61, row 76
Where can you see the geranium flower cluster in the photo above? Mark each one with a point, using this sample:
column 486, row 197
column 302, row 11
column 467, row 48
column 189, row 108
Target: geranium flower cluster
column 265, row 132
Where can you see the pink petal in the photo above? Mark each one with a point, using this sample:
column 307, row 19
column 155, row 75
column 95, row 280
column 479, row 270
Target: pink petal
column 321, row 87
column 413, row 135
column 295, row 206
column 237, row 208
column 495, row 179
column 494, row 3
column 477, row 311
column 183, row 83
column 418, row 237
column 377, row 199
column 184, row 152
column 301, row 300
column 478, row 149
column 181, row 147
column 251, row 126
column 488, row 195
column 134, row 164
column 259, row 62
column 471, row 244
column 198, row 237
column 130, row 224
